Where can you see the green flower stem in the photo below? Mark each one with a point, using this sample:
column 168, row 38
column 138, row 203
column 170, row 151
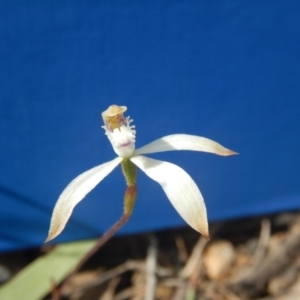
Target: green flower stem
column 129, row 171
column 130, row 174
column 129, row 199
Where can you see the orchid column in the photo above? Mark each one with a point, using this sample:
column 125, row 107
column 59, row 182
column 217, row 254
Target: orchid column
column 122, row 137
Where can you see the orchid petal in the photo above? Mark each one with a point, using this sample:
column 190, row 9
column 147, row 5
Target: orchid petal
column 184, row 142
column 75, row 192
column 180, row 188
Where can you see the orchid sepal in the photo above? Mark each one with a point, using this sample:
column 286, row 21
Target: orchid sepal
column 75, row 191
column 180, row 189
column 184, row 142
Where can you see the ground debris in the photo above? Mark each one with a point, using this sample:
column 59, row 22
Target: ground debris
column 254, row 258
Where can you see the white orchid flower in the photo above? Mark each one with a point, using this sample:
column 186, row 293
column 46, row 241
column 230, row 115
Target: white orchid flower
column 179, row 187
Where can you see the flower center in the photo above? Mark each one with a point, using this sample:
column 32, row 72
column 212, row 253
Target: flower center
column 113, row 117
column 119, row 130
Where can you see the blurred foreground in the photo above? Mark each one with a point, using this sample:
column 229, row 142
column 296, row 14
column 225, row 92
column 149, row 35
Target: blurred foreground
column 255, row 258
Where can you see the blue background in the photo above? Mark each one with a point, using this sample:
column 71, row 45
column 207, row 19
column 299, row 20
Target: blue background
column 228, row 71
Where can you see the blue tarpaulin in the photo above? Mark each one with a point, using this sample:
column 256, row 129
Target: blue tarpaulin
column 229, row 71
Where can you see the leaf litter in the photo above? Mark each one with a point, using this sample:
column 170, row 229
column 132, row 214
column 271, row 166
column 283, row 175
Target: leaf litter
column 251, row 258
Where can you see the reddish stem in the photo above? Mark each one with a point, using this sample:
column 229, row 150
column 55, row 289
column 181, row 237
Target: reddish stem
column 102, row 240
